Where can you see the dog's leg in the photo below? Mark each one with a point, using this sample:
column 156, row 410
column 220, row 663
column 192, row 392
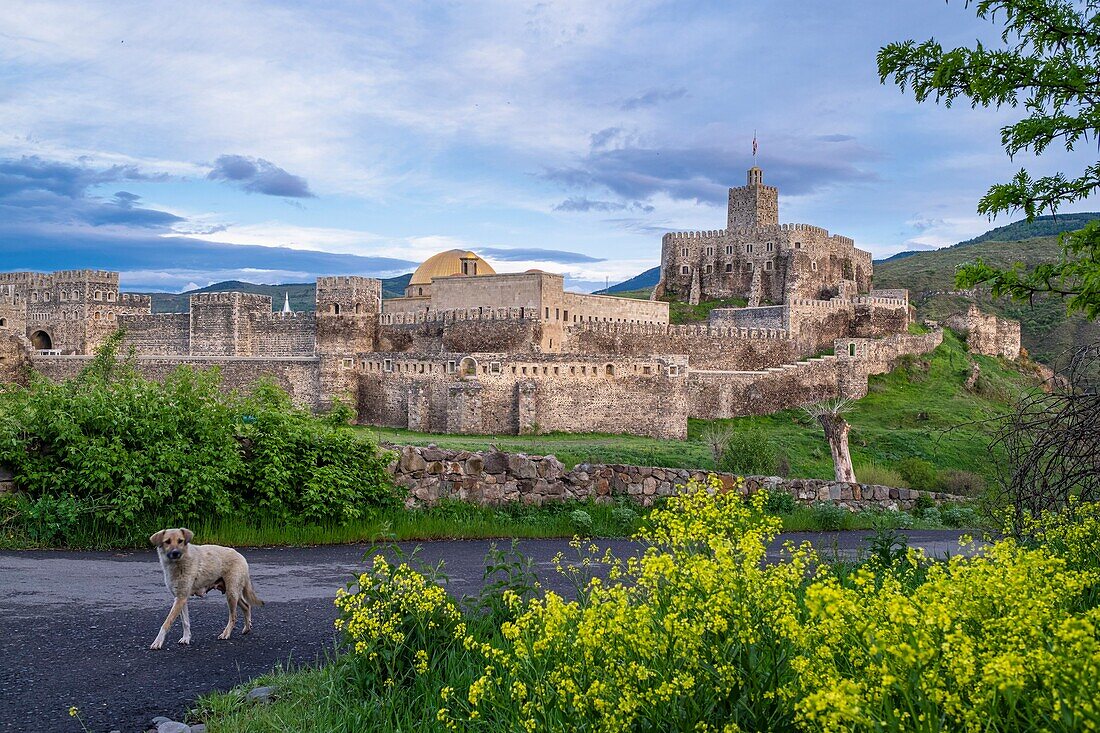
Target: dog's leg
column 177, row 607
column 247, row 615
column 186, row 616
column 231, row 599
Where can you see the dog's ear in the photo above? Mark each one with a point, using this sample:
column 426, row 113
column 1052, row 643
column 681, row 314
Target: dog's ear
column 156, row 537
column 187, row 535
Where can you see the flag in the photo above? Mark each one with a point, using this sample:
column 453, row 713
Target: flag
column 754, row 145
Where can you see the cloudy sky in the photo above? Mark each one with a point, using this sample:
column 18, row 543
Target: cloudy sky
column 185, row 143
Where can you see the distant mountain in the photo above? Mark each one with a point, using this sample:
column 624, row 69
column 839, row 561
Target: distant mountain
column 303, row 296
column 1040, row 226
column 647, row 279
column 898, row 256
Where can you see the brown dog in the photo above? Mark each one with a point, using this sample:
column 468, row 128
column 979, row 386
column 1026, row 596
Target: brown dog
column 193, row 570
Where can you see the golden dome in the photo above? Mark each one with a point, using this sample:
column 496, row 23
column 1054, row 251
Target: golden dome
column 446, row 264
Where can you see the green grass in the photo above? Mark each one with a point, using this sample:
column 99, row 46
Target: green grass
column 920, row 410
column 679, row 312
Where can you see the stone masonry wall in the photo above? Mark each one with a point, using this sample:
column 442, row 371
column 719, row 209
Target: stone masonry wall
column 299, row 377
column 986, row 333
column 493, row 477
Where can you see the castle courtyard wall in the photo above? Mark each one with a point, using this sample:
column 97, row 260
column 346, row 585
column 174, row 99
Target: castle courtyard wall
column 298, row 376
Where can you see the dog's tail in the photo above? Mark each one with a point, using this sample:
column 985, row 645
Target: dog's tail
column 250, row 594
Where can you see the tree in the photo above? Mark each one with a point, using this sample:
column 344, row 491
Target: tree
column 1049, row 64
column 831, row 416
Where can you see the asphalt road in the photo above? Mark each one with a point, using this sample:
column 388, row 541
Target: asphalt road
column 75, row 626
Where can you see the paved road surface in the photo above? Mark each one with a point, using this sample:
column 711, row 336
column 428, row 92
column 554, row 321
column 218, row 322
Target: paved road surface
column 75, row 626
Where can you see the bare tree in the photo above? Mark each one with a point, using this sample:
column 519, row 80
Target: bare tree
column 830, row 414
column 717, row 437
column 1047, row 449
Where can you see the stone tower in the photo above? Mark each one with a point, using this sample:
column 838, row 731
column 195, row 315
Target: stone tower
column 753, row 205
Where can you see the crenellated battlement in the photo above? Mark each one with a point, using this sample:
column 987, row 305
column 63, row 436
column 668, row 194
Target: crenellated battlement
column 483, row 313
column 231, row 297
column 707, row 234
column 134, row 299
column 691, row 330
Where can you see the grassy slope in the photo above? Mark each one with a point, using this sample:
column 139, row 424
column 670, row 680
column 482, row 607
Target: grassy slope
column 887, row 425
column 1046, row 332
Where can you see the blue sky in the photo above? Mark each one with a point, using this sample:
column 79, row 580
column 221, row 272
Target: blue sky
column 185, row 143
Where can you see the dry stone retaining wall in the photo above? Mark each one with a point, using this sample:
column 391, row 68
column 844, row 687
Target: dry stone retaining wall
column 494, row 477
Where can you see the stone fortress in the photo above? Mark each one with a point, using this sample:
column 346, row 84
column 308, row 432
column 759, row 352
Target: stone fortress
column 470, row 350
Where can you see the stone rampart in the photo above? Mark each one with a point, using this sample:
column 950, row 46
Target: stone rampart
column 493, row 477
column 986, row 333
column 298, row 376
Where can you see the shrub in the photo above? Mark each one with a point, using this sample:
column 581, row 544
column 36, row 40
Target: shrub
column 829, row 516
column 955, row 515
column 961, row 483
column 918, row 473
column 873, row 473
column 923, row 505
column 129, row 451
column 582, row 522
column 748, row 452
column 779, row 502
column 624, row 519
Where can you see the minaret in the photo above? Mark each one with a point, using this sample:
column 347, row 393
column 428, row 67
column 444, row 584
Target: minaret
column 286, row 303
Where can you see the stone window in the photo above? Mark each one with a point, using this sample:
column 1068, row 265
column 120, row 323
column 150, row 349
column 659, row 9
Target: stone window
column 452, row 367
column 557, row 314
column 3, row 322
column 748, row 266
column 770, row 246
column 710, row 251
column 798, row 245
column 673, row 370
column 548, row 313
column 813, row 265
column 729, row 267
column 98, row 295
column 684, row 252
column 609, row 370
column 110, row 295
column 565, row 316
column 387, row 365
column 76, row 295
column 683, row 270
column 768, row 265
column 494, row 367
column 851, row 349
column 96, row 315
column 46, row 296
column 748, row 248
column 707, row 269
column 111, row 316
column 348, row 363
column 729, row 249
column 62, row 296
column 647, row 369
column 34, row 296
column 335, row 309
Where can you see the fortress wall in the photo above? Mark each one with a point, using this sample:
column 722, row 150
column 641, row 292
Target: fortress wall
column 518, row 290
column 710, row 348
column 772, row 317
column 220, row 322
column 987, row 334
column 494, row 478
column 578, row 308
column 878, row 317
column 720, row 394
column 157, row 334
column 14, row 358
column 283, row 334
column 512, row 335
column 299, row 377
column 535, row 394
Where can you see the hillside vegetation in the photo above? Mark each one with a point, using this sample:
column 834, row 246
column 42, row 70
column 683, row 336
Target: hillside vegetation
column 919, row 411
column 1046, row 331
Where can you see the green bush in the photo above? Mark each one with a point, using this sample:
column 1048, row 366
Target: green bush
column 961, row 483
column 829, row 516
column 624, row 519
column 748, row 453
column 582, row 522
column 954, row 515
column 121, row 449
column 923, row 505
column 919, row 473
column 779, row 502
column 873, row 473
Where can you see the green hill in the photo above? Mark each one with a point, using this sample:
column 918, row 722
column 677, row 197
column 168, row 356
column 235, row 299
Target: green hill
column 645, row 282
column 1046, row 331
column 303, row 296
